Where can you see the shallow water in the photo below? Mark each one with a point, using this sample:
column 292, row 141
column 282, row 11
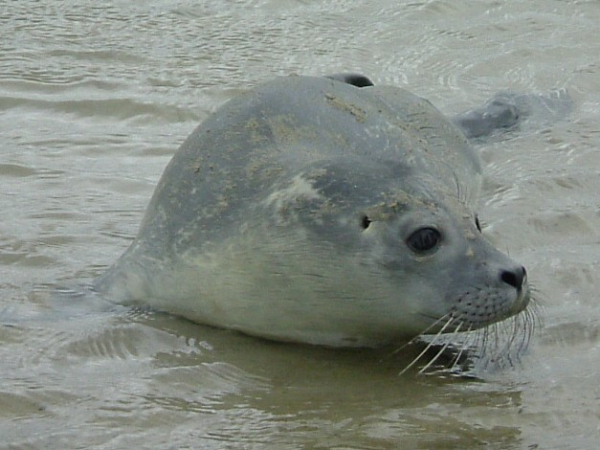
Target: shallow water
column 94, row 100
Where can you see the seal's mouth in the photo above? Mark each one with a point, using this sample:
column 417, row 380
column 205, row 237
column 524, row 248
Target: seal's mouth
column 479, row 308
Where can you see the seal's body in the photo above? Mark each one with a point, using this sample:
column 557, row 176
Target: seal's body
column 315, row 211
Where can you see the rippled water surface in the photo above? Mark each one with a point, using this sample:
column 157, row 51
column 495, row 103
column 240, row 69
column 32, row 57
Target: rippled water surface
column 94, row 100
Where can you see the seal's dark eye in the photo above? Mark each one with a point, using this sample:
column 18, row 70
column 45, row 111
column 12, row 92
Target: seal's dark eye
column 477, row 223
column 423, row 240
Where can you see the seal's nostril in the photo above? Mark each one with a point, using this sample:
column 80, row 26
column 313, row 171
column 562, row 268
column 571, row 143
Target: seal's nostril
column 514, row 277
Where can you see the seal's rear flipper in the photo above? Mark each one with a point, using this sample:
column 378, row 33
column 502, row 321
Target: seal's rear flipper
column 355, row 79
column 507, row 109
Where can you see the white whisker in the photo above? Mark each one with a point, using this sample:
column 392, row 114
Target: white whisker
column 429, row 345
column 419, row 336
column 463, row 347
column 443, row 349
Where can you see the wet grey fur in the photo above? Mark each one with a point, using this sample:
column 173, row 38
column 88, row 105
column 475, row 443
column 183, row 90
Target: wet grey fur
column 282, row 216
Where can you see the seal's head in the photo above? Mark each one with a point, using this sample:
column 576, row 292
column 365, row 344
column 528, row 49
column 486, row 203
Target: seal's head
column 410, row 256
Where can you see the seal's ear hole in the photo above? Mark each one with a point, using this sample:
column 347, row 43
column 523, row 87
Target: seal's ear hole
column 424, row 240
column 365, row 222
column 480, row 224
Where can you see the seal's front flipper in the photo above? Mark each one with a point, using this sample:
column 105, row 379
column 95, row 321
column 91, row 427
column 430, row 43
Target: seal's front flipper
column 507, row 109
column 355, row 79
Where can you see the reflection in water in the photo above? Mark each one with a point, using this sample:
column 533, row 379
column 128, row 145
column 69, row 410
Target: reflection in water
column 154, row 372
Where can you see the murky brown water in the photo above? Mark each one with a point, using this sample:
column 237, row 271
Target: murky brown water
column 96, row 97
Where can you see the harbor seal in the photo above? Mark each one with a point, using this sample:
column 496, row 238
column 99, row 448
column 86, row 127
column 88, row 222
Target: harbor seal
column 324, row 211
